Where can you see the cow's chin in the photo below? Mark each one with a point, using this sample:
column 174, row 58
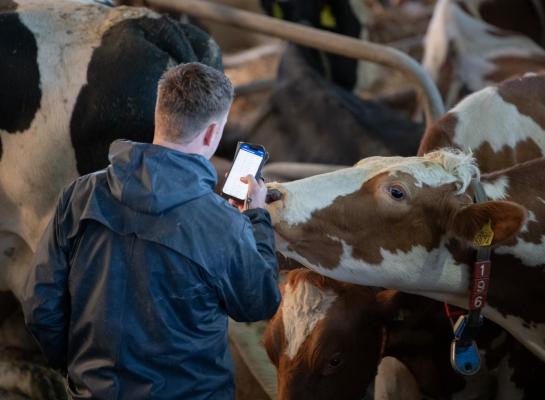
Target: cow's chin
column 275, row 209
column 456, row 299
column 289, row 259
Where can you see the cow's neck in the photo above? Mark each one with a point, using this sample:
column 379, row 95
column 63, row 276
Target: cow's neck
column 516, row 297
column 518, row 266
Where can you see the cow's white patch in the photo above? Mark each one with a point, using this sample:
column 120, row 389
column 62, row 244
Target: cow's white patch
column 531, row 218
column 496, row 189
column 66, row 34
column 507, row 390
column 531, row 336
column 303, row 306
column 439, row 168
column 415, row 270
column 395, row 381
column 475, row 47
column 486, row 117
column 305, row 196
column 531, row 254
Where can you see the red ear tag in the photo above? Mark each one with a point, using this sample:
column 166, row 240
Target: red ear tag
column 479, row 285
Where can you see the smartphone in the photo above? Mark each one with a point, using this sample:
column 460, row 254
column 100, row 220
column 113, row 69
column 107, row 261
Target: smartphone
column 249, row 160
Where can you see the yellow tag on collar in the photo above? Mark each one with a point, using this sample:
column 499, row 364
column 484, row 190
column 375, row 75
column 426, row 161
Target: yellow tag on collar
column 277, row 11
column 327, row 19
column 484, row 237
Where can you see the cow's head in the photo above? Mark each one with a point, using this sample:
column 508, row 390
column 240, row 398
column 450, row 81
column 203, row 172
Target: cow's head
column 388, row 221
column 325, row 339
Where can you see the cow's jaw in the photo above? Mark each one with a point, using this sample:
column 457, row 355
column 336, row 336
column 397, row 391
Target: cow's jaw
column 418, row 270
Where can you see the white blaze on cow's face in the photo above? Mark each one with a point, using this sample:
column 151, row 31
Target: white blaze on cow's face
column 325, row 338
column 387, row 221
column 303, row 307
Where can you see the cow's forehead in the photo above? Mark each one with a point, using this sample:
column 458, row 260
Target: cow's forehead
column 303, row 306
column 433, row 169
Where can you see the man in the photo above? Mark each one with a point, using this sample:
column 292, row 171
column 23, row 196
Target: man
column 142, row 263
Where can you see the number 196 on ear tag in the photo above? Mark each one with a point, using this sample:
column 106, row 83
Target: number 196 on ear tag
column 479, row 285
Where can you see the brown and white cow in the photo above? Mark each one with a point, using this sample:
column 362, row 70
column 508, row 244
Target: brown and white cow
column 328, row 337
column 323, row 340
column 471, row 44
column 408, row 224
column 502, row 125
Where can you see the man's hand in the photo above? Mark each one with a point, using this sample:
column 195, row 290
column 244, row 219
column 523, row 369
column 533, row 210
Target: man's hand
column 257, row 193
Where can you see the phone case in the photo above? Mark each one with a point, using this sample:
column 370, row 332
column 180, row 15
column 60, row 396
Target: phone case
column 258, row 173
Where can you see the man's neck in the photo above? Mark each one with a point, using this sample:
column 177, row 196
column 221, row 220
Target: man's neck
column 189, row 148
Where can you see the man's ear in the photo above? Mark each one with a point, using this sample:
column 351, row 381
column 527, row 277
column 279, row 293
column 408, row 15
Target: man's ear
column 210, row 133
column 505, row 218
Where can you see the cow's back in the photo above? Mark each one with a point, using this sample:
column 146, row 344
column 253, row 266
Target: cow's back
column 469, row 46
column 502, row 125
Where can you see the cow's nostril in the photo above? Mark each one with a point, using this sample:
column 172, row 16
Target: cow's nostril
column 273, row 195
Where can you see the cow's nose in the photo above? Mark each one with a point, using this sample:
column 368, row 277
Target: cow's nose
column 273, row 195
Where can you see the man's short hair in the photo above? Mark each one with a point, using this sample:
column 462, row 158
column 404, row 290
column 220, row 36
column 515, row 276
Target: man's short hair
column 189, row 96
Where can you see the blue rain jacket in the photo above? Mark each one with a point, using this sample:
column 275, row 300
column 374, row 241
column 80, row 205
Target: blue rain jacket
column 137, row 273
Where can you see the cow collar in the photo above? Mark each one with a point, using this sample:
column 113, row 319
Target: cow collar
column 465, row 357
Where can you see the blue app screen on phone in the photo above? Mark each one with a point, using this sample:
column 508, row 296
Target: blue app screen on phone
column 246, row 163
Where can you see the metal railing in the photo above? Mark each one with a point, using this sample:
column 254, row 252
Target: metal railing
column 318, row 39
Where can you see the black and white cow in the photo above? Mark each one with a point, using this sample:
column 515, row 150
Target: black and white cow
column 74, row 76
column 347, row 17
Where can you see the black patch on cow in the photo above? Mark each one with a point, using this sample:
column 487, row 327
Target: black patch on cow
column 20, row 93
column 338, row 69
column 118, row 100
column 7, row 5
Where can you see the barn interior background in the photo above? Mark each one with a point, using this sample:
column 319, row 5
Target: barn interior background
column 309, row 106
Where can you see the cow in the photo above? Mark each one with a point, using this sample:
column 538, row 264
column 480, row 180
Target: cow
column 23, row 371
column 349, row 18
column 491, row 116
column 502, row 125
column 328, row 337
column 408, row 224
column 471, row 44
column 79, row 75
column 310, row 119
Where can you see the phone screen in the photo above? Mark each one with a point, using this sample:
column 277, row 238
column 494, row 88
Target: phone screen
column 247, row 162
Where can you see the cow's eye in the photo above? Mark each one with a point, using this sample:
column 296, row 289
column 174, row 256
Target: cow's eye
column 333, row 364
column 397, row 192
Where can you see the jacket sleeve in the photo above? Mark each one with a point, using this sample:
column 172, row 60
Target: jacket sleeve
column 249, row 286
column 45, row 298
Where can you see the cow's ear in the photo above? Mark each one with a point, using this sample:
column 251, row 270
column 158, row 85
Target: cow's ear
column 388, row 304
column 489, row 223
